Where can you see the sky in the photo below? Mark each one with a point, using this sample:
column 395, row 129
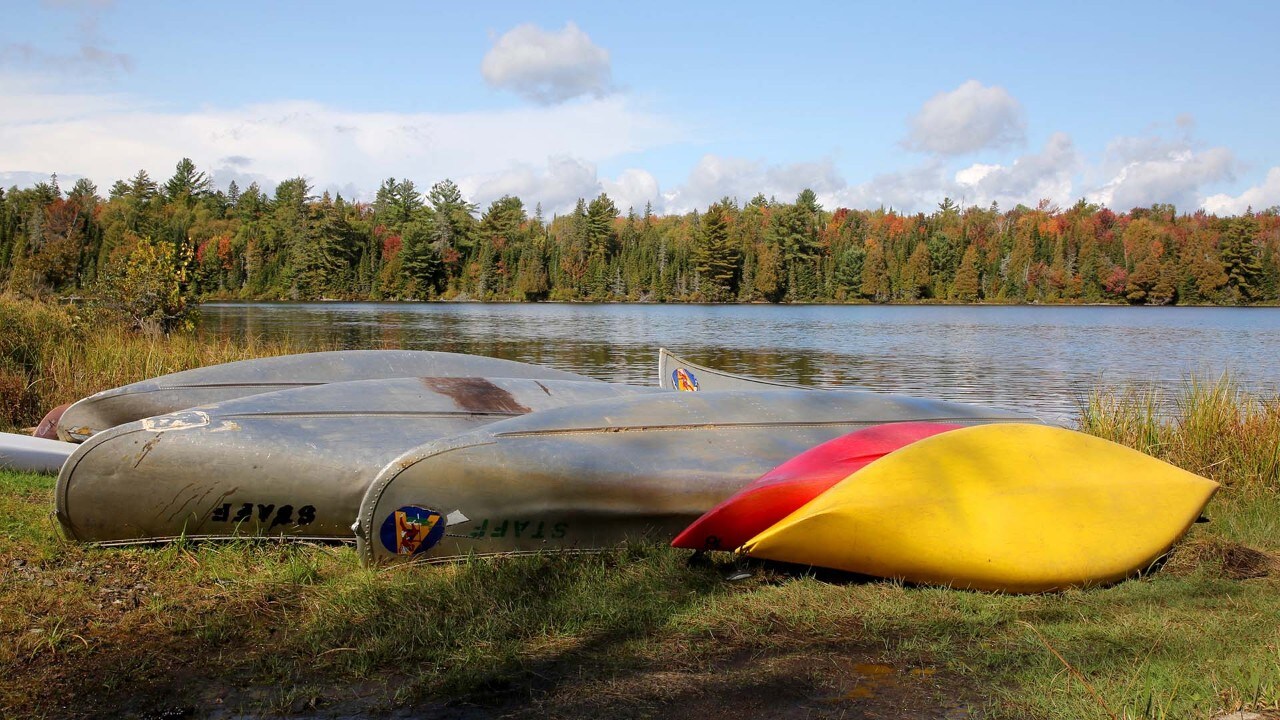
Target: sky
column 672, row 104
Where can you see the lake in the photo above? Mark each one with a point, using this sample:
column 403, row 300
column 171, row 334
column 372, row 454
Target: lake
column 1039, row 358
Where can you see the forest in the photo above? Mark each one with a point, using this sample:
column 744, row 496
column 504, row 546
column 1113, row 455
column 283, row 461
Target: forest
column 150, row 241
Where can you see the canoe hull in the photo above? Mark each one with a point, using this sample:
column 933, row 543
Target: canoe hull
column 290, row 463
column 594, row 475
column 784, row 489
column 25, row 453
column 1011, row 508
column 219, row 383
column 676, row 373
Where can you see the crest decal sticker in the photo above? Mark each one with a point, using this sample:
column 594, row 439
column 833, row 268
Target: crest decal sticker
column 412, row 530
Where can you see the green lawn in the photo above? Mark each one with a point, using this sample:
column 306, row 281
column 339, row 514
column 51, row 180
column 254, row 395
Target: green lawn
column 635, row 632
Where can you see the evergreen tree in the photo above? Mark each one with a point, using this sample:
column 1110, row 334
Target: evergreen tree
column 397, row 202
column 875, row 274
column 967, row 286
column 714, row 256
column 916, row 277
column 1240, row 259
column 531, row 276
column 421, row 258
column 848, row 270
column 452, row 226
column 187, row 184
column 600, row 233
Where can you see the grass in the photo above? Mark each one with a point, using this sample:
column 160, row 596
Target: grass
column 55, row 354
column 1216, row 430
column 266, row 628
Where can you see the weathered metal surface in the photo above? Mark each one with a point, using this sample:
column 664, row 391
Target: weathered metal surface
column 676, row 373
column 218, row 383
column 292, row 463
column 32, row 454
column 590, row 476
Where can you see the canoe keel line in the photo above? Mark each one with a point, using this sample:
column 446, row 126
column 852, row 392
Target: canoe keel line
column 479, row 456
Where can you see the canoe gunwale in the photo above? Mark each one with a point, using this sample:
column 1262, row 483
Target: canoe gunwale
column 856, row 424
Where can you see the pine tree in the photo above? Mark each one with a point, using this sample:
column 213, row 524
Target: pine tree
column 875, row 274
column 714, row 256
column 187, row 184
column 1240, row 259
column 967, row 286
column 916, row 277
column 600, row 233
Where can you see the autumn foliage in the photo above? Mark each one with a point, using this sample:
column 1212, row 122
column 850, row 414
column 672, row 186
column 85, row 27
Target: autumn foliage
column 411, row 245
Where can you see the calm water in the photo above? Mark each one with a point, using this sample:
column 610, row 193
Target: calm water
column 1043, row 359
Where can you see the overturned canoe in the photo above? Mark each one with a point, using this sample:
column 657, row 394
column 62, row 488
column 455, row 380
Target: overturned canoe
column 1012, row 508
column 293, row 462
column 217, row 383
column 676, row 373
column 784, row 489
column 590, row 476
column 32, row 454
column 48, row 427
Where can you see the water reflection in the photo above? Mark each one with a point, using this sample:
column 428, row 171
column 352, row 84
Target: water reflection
column 1043, row 359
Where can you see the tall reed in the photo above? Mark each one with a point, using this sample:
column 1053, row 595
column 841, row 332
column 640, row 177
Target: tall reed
column 1216, row 429
column 54, row 354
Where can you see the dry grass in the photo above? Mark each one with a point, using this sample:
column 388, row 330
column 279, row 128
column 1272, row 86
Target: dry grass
column 55, row 354
column 1217, row 430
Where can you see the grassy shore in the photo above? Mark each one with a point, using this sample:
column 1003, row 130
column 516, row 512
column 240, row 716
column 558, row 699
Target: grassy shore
column 259, row 628
column 54, row 354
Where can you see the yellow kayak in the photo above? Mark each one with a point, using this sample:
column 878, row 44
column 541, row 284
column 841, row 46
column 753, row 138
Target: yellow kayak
column 1009, row 507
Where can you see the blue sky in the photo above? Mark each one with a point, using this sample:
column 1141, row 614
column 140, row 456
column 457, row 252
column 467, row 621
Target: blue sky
column 676, row 104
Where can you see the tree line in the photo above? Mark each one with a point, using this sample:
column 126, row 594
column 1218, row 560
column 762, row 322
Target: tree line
column 150, row 241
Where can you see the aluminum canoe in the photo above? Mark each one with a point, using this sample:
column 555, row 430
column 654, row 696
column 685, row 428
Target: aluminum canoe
column 287, row 463
column 25, row 453
column 216, row 383
column 590, row 476
column 676, row 373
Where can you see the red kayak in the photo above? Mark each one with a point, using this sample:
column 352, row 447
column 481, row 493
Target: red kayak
column 784, row 489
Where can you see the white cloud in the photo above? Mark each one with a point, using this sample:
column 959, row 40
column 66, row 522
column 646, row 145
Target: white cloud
column 107, row 138
column 909, row 190
column 633, row 189
column 716, row 177
column 548, row 66
column 1139, row 171
column 557, row 187
column 1259, row 197
column 1027, row 180
column 973, row 174
column 1031, row 178
column 971, row 117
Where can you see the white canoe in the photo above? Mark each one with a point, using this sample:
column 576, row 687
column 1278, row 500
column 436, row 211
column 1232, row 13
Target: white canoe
column 32, row 454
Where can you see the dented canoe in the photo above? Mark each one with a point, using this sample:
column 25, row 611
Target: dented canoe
column 217, row 383
column 593, row 475
column 1011, row 508
column 287, row 463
